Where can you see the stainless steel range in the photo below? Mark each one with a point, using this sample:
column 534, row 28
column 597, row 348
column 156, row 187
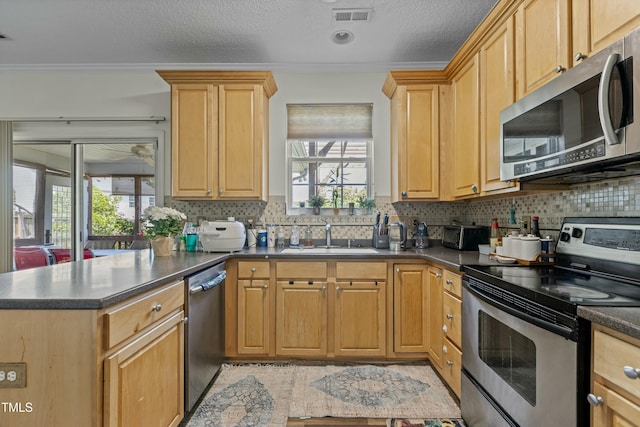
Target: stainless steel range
column 526, row 352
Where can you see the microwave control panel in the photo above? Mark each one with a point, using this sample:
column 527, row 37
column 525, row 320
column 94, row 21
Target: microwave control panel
column 591, row 151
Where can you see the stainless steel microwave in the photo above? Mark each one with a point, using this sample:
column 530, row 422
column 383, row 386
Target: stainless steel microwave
column 579, row 126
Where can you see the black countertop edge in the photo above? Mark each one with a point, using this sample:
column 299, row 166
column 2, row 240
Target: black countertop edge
column 622, row 319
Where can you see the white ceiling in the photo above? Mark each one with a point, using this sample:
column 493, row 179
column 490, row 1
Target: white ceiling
column 285, row 35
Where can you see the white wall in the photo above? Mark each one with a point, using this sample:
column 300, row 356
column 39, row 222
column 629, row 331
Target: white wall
column 34, row 94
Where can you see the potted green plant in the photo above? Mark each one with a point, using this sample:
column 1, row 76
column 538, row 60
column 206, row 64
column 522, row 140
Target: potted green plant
column 317, row 201
column 366, row 205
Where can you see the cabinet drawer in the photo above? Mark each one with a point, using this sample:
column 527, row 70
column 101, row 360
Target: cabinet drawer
column 301, row 270
column 253, row 269
column 610, row 356
column 135, row 315
column 452, row 283
column 361, row 270
column 452, row 318
column 451, row 365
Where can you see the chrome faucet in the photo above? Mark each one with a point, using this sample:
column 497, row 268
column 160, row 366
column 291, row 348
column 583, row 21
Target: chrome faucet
column 327, row 232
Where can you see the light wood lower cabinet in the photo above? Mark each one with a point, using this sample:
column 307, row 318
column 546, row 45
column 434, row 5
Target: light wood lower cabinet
column 451, row 329
column 144, row 381
column 615, row 387
column 301, row 319
column 359, row 308
column 411, row 308
column 435, row 315
column 254, row 314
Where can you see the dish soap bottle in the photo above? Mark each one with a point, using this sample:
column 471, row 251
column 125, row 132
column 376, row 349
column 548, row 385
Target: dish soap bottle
column 308, row 236
column 294, row 239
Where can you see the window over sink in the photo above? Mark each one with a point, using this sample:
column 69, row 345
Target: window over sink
column 329, row 156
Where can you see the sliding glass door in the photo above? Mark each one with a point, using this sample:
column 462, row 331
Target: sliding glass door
column 77, row 194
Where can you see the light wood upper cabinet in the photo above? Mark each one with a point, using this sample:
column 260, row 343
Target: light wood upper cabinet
column 497, row 90
column 542, row 43
column 220, row 134
column 598, row 23
column 411, row 308
column 415, row 135
column 465, row 159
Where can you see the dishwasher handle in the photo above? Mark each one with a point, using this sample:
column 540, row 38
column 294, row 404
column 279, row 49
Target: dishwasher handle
column 217, row 280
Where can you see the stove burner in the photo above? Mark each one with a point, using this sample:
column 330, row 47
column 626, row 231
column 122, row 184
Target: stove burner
column 575, row 292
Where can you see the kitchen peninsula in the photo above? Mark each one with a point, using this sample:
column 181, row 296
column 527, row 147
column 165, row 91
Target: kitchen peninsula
column 71, row 327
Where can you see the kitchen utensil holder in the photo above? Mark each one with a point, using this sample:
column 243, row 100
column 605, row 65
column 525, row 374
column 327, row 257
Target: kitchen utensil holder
column 381, row 241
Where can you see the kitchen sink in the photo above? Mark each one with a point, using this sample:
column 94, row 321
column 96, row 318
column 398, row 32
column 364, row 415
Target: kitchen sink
column 328, row 251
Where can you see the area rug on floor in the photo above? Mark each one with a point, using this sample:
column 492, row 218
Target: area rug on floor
column 371, row 391
column 403, row 422
column 246, row 395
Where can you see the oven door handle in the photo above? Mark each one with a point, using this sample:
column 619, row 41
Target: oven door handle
column 563, row 331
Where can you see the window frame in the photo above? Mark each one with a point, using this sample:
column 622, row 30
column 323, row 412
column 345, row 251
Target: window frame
column 290, row 159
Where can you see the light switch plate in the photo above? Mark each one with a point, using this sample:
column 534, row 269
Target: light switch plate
column 525, row 225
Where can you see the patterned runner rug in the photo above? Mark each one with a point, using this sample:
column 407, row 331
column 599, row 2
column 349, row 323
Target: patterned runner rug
column 266, row 395
column 371, row 391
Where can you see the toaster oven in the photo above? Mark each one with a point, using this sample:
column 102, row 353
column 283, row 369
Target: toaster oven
column 465, row 237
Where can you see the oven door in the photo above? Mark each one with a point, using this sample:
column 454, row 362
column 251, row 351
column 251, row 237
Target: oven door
column 513, row 367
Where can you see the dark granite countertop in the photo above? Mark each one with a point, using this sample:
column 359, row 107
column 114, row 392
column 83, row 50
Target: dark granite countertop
column 101, row 282
column 622, row 319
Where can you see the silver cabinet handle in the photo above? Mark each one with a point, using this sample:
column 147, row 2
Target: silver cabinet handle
column 594, row 400
column 449, row 363
column 156, row 307
column 220, row 191
column 337, row 288
column 445, row 350
column 449, row 316
column 397, row 270
column 449, row 282
column 185, row 320
column 474, row 189
column 208, row 191
column 253, row 269
column 560, row 69
column 265, row 286
column 631, row 372
column 438, row 275
column 445, row 329
column 580, row 56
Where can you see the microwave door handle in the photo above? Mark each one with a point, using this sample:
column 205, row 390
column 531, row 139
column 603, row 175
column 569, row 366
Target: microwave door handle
column 603, row 100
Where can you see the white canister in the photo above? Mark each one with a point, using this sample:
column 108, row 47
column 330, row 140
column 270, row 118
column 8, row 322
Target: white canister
column 507, row 246
column 271, row 236
column 516, row 246
column 529, row 247
column 252, row 237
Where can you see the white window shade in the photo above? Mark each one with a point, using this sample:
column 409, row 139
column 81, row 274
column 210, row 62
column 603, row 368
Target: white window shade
column 329, row 121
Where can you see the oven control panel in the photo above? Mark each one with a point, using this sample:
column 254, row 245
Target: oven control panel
column 614, row 241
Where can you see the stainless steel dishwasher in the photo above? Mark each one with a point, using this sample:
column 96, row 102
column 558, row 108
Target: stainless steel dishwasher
column 204, row 334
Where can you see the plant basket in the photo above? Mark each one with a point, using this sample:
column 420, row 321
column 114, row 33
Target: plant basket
column 162, row 246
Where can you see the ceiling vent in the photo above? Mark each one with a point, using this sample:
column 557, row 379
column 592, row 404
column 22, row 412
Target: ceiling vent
column 352, row 15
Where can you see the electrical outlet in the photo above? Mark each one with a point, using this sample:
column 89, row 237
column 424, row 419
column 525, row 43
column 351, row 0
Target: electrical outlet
column 525, row 224
column 13, row 375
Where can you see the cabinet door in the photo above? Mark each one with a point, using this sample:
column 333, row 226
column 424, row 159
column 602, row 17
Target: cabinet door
column 496, row 93
column 241, row 141
column 615, row 410
column 144, row 381
column 542, row 42
column 466, row 140
column 435, row 315
column 415, row 145
column 194, row 123
column 598, row 23
column 360, row 318
column 254, row 317
column 301, row 321
column 410, row 308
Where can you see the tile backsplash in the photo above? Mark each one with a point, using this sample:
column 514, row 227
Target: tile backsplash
column 619, row 197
